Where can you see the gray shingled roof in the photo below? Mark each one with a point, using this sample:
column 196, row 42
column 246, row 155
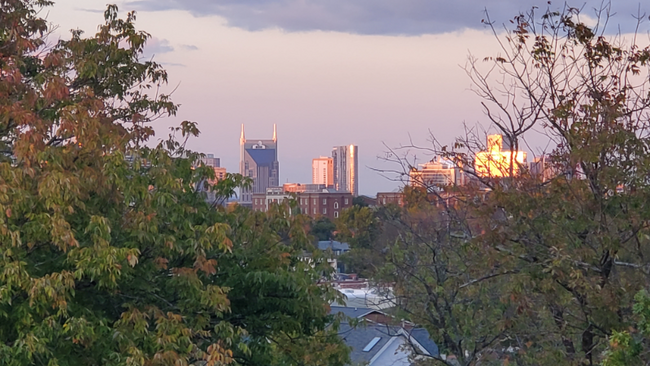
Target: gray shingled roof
column 358, row 338
column 422, row 336
column 334, row 245
column 350, row 311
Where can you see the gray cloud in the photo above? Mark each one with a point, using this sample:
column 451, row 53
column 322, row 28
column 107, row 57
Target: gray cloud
column 389, row 17
column 174, row 64
column 189, row 47
column 87, row 10
column 156, row 46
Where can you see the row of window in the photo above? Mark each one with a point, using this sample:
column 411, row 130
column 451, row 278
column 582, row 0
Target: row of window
column 303, row 201
column 336, row 213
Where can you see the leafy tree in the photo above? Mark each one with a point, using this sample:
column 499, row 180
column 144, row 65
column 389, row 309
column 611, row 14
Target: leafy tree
column 109, row 253
column 323, row 228
column 533, row 269
column 630, row 347
column 288, row 323
column 359, row 201
column 361, row 228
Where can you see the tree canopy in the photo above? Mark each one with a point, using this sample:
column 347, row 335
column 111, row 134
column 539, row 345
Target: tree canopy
column 110, row 254
column 539, row 269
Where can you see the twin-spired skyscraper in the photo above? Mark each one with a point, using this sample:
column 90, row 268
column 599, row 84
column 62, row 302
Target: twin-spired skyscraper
column 259, row 161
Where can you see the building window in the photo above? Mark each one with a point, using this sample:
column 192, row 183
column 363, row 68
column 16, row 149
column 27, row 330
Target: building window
column 336, row 205
column 324, row 201
column 256, row 201
column 314, row 201
column 324, row 211
column 336, row 214
column 314, row 210
column 346, row 201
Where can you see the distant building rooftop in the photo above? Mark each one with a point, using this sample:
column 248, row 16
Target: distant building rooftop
column 335, row 246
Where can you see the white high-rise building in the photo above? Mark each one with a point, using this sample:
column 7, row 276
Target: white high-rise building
column 322, row 171
column 436, row 174
column 346, row 169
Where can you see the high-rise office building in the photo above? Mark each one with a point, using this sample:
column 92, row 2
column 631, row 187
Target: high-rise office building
column 498, row 161
column 346, row 169
column 210, row 160
column 322, row 171
column 259, row 161
column 436, row 174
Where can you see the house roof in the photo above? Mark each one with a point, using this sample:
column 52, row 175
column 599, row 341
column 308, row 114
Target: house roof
column 334, row 245
column 422, row 336
column 361, row 336
column 358, row 338
column 350, row 311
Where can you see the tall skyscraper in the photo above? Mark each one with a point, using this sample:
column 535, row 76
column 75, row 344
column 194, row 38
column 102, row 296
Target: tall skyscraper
column 346, row 169
column 259, row 161
column 322, row 171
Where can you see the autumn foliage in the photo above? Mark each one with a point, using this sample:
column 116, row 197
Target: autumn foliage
column 109, row 254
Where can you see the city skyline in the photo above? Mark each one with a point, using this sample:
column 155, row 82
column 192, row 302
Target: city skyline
column 328, row 74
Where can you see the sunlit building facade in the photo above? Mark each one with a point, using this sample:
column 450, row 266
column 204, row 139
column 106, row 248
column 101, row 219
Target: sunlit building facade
column 345, row 161
column 322, row 171
column 498, row 162
column 303, row 188
column 259, row 161
column 436, row 174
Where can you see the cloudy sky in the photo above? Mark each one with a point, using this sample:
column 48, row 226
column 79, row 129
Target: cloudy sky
column 374, row 73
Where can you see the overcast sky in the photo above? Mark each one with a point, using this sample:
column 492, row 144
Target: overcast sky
column 374, row 73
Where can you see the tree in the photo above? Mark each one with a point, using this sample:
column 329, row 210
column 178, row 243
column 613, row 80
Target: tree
column 560, row 258
column 323, row 228
column 109, row 253
column 360, row 227
column 288, row 322
column 630, row 347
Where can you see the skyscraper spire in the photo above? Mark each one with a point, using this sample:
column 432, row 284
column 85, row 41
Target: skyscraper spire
column 242, row 139
column 275, row 133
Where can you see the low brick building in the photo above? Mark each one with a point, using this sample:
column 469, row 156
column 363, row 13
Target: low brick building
column 387, row 198
column 328, row 204
column 315, row 204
